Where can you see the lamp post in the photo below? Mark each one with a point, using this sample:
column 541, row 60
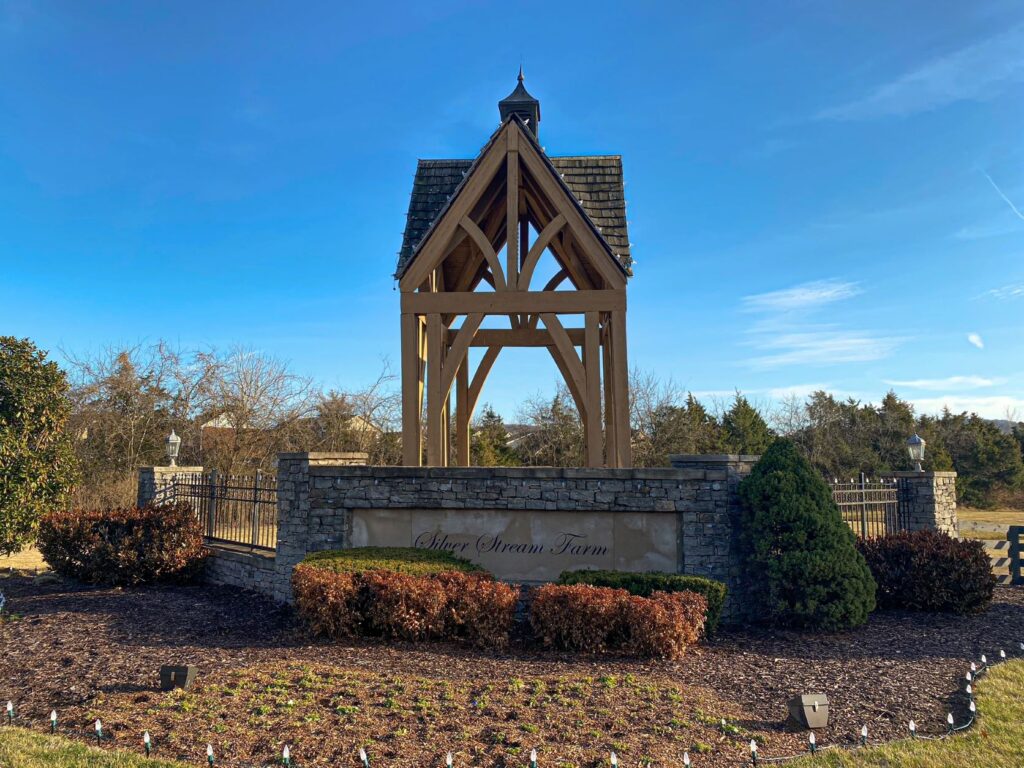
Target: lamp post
column 173, row 445
column 915, row 447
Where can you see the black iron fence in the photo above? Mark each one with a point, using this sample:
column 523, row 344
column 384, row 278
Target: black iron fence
column 870, row 507
column 232, row 509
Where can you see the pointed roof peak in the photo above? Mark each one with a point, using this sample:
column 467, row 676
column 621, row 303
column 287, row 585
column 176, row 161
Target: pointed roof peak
column 521, row 104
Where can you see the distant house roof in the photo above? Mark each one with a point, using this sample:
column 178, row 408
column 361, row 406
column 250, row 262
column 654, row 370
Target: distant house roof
column 596, row 181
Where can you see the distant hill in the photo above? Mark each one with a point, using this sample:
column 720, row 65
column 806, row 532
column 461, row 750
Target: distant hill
column 1005, row 425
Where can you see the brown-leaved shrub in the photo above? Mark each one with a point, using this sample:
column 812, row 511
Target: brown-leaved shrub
column 930, row 571
column 580, row 617
column 338, row 602
column 124, row 547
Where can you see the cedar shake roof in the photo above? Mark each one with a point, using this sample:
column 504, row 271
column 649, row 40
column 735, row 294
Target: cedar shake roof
column 596, row 181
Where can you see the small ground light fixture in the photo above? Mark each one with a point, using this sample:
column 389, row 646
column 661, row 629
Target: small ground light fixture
column 209, row 753
column 99, row 730
column 686, row 760
column 970, row 691
column 812, row 743
column 10, row 711
column 967, row 676
column 1002, row 655
column 973, row 707
column 949, row 722
column 984, row 660
column 363, row 758
column 974, row 667
column 753, row 752
column 147, row 743
column 286, row 756
column 533, row 758
column 913, row 729
column 863, row 735
column 448, row 760
column 53, row 721
column 614, row 760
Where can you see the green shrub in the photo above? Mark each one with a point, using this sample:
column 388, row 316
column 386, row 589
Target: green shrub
column 410, row 560
column 802, row 568
column 124, row 547
column 930, row 571
column 580, row 617
column 643, row 584
column 338, row 599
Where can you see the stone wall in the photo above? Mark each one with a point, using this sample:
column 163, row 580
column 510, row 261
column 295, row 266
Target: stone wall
column 153, row 481
column 317, row 496
column 240, row 568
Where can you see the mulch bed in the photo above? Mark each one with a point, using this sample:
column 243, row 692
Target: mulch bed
column 92, row 652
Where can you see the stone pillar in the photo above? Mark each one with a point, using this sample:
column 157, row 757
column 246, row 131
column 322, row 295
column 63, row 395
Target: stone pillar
column 293, row 485
column 154, row 481
column 709, row 522
column 928, row 501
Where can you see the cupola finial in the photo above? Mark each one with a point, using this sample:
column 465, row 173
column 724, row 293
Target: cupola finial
column 521, row 104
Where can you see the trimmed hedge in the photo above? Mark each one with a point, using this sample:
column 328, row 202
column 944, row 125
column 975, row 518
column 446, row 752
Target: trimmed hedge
column 644, row 584
column 432, row 598
column 410, row 560
column 580, row 617
column 124, row 547
column 930, row 571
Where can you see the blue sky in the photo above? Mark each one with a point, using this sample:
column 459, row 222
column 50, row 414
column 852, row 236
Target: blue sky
column 821, row 194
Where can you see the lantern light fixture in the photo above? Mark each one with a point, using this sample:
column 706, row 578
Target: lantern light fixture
column 915, row 447
column 173, row 446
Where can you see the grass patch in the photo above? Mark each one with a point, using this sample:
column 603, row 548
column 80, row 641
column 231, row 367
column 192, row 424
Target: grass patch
column 995, row 741
column 20, row 748
column 26, row 561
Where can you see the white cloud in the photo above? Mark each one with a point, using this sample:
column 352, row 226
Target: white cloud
column 985, row 231
column 975, row 72
column 949, row 383
column 989, row 407
column 976, row 340
column 802, row 391
column 801, row 297
column 1012, row 291
column 823, row 347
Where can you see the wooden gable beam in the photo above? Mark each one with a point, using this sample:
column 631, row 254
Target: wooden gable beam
column 438, row 239
column 554, row 189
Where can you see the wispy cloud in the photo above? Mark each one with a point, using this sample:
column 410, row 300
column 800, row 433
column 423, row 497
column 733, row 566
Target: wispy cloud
column 976, row 72
column 987, row 406
column 1006, row 199
column 953, row 383
column 985, row 231
column 1007, row 292
column 823, row 347
column 802, row 391
column 801, row 297
column 975, row 340
column 785, row 332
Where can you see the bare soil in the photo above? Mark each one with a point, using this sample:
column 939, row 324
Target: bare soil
column 95, row 653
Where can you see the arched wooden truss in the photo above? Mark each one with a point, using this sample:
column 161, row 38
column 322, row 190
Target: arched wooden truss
column 511, row 188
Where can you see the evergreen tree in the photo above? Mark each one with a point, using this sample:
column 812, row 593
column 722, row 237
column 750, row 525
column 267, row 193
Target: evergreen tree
column 489, row 445
column 802, row 565
column 744, row 430
column 37, row 460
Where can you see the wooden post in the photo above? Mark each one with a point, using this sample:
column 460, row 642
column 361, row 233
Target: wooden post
column 435, row 408
column 462, row 433
column 611, row 444
column 412, row 449
column 512, row 210
column 620, row 375
column 592, row 369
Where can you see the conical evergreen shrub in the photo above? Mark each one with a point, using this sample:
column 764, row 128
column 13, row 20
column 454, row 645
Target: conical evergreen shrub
column 802, row 567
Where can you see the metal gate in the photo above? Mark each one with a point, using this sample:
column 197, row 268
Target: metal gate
column 232, row 509
column 870, row 507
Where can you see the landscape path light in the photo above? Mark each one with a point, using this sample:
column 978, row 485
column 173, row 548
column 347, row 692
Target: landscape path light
column 863, row 735
column 363, row 758
column 147, row 743
column 10, row 712
column 286, row 756
column 53, row 721
column 173, row 446
column 753, row 752
column 812, row 742
column 915, row 447
column 209, row 753
column 99, row 731
column 686, row 760
column 533, row 758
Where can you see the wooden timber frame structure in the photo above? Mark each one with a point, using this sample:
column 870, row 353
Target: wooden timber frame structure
column 511, row 187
